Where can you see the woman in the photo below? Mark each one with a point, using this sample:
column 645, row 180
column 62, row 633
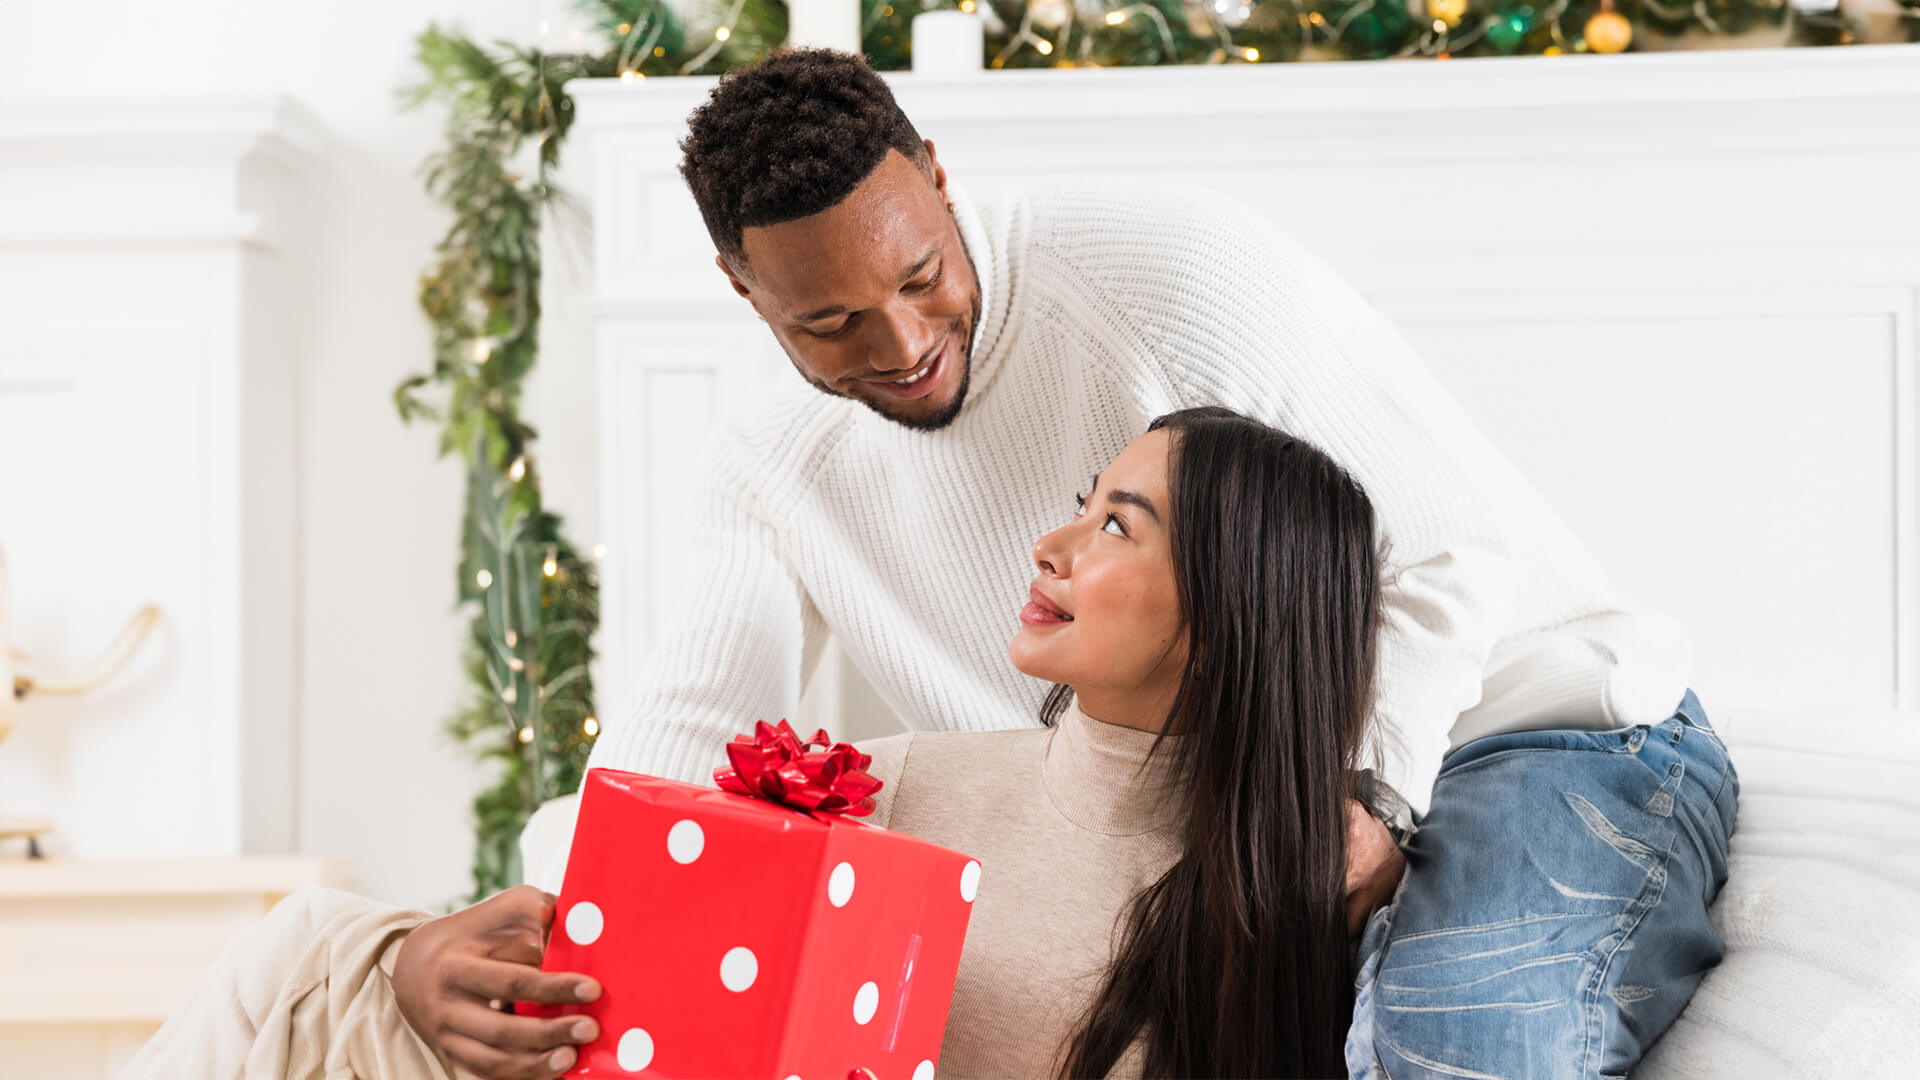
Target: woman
column 1165, row 859
column 1209, row 617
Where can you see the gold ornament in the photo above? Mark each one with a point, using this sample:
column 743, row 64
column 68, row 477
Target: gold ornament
column 1609, row 32
column 1448, row 11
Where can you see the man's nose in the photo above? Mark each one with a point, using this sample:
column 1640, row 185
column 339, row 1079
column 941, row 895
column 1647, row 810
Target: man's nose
column 904, row 340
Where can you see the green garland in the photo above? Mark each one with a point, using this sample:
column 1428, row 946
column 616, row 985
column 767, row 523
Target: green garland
column 534, row 599
column 1121, row 33
column 482, row 295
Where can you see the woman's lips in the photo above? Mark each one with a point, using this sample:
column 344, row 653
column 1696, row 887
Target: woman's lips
column 930, row 375
column 1041, row 611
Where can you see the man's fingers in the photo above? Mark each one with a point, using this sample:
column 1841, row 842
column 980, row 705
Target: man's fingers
column 1369, row 846
column 507, row 1031
column 1374, row 865
column 485, row 979
column 493, row 1064
column 1358, row 911
column 520, row 904
column 525, row 949
column 522, row 896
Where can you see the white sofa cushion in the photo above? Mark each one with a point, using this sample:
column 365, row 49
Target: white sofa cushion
column 1821, row 911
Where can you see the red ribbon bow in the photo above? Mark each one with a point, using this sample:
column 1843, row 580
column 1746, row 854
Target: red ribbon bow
column 775, row 764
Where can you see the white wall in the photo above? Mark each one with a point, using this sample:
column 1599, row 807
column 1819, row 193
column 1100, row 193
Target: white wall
column 380, row 643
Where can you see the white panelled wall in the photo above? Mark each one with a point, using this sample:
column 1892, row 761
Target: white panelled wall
column 148, row 442
column 119, row 304
column 1679, row 290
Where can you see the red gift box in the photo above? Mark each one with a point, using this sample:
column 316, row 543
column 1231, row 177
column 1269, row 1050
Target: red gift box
column 734, row 936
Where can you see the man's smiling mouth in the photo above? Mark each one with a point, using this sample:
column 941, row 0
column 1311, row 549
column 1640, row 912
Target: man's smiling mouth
column 916, row 384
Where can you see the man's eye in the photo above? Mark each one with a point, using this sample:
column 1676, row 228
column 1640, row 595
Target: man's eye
column 838, row 331
column 1113, row 526
column 927, row 284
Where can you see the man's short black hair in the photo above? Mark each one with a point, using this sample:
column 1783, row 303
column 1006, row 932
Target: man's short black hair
column 788, row 137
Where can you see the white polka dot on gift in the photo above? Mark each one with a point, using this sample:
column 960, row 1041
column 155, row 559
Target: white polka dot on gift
column 969, row 881
column 584, row 923
column 739, row 968
column 866, row 1003
column 685, row 841
column 840, row 885
column 635, row 1051
column 923, row 1071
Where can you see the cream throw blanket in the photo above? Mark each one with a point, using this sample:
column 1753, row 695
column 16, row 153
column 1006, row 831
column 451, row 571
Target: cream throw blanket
column 303, row 995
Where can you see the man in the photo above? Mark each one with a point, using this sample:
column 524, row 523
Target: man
column 971, row 362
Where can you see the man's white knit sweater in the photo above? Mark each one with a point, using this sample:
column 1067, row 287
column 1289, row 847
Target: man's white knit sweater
column 1102, row 309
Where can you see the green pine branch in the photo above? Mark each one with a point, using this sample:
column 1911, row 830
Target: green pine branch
column 528, row 709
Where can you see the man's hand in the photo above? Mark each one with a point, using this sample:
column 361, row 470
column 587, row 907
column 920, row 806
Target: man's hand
column 450, row 969
column 1374, row 866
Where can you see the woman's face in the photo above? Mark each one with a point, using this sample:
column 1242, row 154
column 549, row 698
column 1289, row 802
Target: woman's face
column 1104, row 613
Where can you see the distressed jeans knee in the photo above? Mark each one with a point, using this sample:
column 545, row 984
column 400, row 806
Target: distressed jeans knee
column 1552, row 922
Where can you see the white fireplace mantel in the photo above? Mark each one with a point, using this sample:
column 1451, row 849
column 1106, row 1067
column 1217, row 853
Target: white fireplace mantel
column 149, row 442
column 1680, row 290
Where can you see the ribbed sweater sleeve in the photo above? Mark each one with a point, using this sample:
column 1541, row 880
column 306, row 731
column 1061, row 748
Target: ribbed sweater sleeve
column 733, row 655
column 1235, row 313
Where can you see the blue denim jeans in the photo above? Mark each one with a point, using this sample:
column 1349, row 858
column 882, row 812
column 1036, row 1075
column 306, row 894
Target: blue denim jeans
column 1553, row 917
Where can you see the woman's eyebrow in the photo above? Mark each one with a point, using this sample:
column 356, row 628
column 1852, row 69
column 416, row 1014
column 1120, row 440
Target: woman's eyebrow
column 1130, row 498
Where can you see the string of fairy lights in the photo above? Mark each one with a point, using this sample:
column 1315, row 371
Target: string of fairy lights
column 1098, row 33
column 508, row 636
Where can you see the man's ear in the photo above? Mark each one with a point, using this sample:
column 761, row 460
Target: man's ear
column 733, row 279
column 939, row 171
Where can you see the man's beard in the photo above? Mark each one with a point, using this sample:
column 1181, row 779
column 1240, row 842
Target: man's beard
column 946, row 415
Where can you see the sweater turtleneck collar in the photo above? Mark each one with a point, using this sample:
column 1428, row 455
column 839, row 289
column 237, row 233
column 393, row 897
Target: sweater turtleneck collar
column 1100, row 776
column 991, row 234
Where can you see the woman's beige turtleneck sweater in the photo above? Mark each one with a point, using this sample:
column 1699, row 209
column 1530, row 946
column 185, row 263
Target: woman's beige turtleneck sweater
column 1068, row 823
column 1068, row 826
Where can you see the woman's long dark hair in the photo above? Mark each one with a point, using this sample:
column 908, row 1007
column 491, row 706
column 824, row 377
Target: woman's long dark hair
column 1236, row 962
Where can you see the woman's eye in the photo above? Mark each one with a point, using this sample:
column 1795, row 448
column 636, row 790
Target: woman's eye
column 1113, row 526
column 927, row 284
column 1079, row 504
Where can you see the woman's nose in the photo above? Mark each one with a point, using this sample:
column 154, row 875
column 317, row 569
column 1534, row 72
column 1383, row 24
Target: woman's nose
column 1050, row 553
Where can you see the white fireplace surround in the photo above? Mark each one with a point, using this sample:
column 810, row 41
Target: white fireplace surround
column 1679, row 290
column 149, row 454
